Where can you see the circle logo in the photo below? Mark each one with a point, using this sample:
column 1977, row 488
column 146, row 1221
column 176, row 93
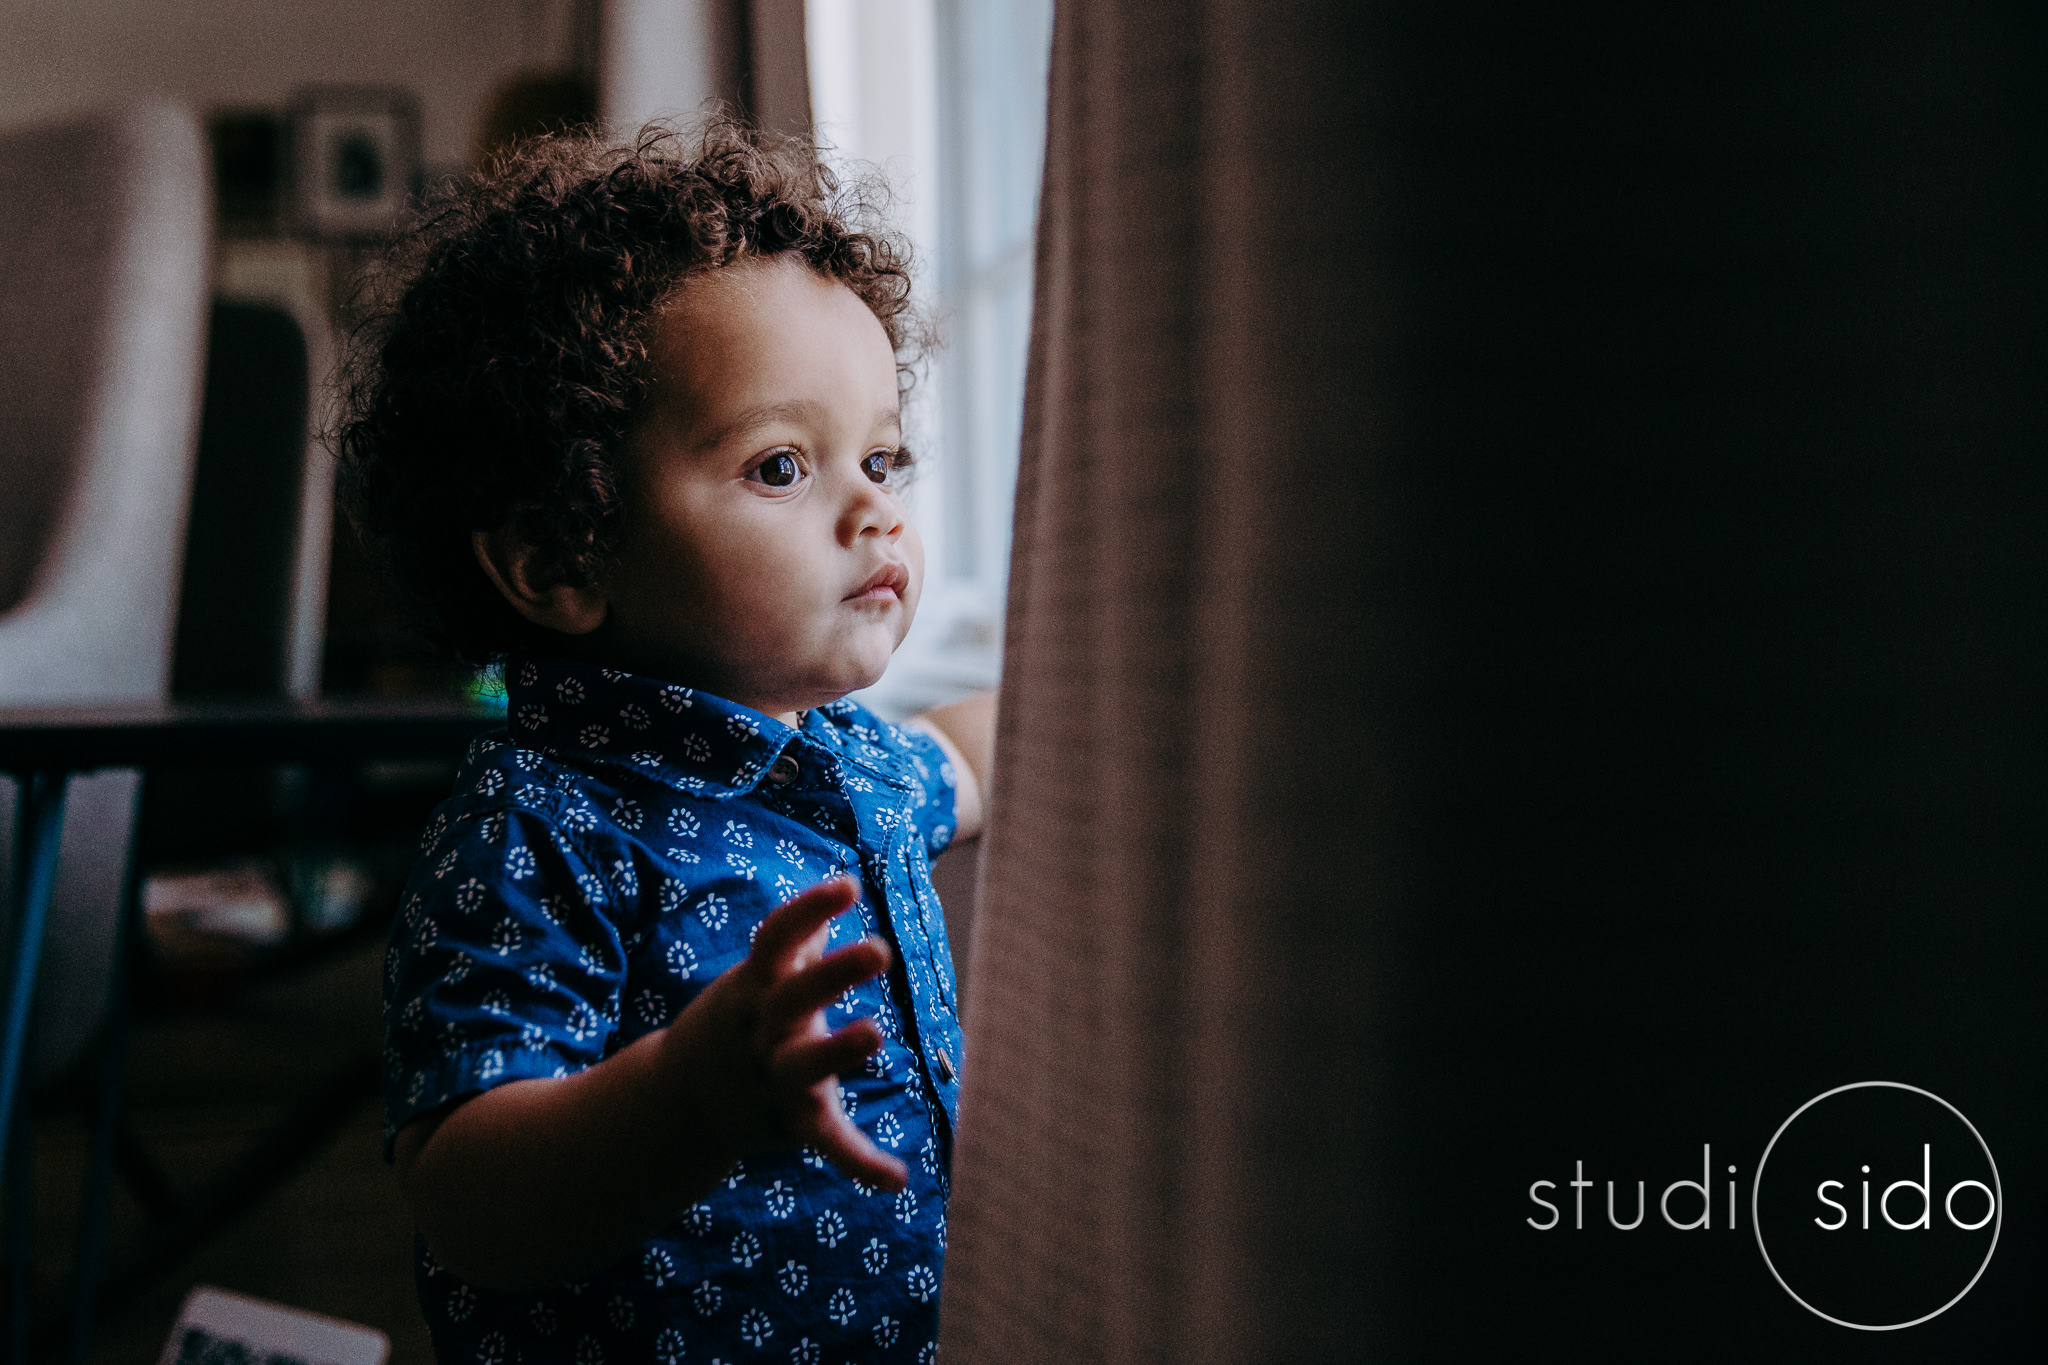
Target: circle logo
column 1877, row 1205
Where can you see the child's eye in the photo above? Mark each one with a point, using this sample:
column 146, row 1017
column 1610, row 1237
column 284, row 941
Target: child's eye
column 882, row 464
column 779, row 470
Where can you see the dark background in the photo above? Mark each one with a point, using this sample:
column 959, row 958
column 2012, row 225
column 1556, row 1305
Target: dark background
column 1717, row 514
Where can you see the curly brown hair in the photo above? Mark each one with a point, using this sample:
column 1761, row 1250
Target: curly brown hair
column 503, row 353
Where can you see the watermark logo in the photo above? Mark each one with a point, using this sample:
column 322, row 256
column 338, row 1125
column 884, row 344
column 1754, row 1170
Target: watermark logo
column 1877, row 1205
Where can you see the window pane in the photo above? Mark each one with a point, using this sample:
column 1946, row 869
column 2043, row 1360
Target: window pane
column 994, row 56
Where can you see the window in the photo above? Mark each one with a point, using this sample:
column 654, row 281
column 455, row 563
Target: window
column 947, row 98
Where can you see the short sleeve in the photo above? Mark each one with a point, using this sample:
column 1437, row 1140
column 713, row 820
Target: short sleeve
column 505, row 964
column 934, row 786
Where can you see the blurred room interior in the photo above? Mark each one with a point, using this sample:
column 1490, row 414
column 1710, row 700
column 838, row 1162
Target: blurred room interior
column 244, row 1152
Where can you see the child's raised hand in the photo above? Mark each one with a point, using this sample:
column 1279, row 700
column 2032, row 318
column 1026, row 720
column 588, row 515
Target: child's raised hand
column 757, row 1061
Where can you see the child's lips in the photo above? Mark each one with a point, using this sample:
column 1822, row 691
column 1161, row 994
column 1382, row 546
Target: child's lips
column 887, row 583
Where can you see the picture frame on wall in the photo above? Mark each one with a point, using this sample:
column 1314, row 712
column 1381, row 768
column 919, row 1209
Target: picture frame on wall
column 355, row 159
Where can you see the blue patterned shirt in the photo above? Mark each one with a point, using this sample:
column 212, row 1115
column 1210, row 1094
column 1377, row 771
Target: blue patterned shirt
column 603, row 859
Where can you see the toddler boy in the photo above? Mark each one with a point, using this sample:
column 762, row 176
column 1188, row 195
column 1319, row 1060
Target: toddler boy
column 673, row 1047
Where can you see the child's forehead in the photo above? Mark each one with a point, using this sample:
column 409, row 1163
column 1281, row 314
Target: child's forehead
column 769, row 333
column 784, row 280
column 760, row 299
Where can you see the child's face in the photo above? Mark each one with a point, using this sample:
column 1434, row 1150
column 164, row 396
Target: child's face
column 764, row 553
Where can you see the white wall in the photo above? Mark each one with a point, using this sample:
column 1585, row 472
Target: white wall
column 57, row 56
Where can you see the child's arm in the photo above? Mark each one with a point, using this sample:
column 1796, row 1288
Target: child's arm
column 539, row 1181
column 966, row 730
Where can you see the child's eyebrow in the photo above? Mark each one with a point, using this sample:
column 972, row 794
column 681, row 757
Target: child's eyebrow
column 790, row 410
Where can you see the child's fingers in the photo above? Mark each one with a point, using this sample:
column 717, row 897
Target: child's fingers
column 805, row 992
column 803, row 1062
column 848, row 1148
column 788, row 927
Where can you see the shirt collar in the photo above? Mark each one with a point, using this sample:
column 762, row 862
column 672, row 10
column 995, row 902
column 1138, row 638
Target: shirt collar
column 688, row 739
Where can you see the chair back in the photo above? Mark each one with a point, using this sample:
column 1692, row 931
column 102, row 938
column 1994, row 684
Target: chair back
column 252, row 608
column 104, row 232
column 240, row 609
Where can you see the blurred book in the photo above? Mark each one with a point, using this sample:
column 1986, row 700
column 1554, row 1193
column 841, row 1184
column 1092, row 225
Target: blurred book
column 190, row 910
column 202, row 911
column 219, row 1328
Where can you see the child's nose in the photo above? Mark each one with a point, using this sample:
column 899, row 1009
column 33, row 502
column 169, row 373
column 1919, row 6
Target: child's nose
column 870, row 510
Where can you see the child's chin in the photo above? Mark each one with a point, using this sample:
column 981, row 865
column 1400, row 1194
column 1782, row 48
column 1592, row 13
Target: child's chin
column 867, row 677
column 870, row 663
column 851, row 678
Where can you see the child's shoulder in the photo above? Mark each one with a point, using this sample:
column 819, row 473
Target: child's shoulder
column 498, row 777
column 524, row 816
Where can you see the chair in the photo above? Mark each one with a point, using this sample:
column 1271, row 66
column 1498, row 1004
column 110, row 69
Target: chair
column 253, row 598
column 103, row 283
column 103, row 287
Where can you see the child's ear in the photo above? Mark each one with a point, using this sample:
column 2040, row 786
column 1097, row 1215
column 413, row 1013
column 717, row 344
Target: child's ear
column 536, row 587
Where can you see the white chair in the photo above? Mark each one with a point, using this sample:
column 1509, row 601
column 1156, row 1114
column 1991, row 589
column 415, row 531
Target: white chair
column 104, row 232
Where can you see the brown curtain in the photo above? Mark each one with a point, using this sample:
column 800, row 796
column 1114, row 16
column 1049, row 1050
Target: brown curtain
column 1168, row 1127
column 1527, row 656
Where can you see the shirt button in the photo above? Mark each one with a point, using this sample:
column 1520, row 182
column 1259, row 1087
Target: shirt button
column 783, row 770
column 945, row 1065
